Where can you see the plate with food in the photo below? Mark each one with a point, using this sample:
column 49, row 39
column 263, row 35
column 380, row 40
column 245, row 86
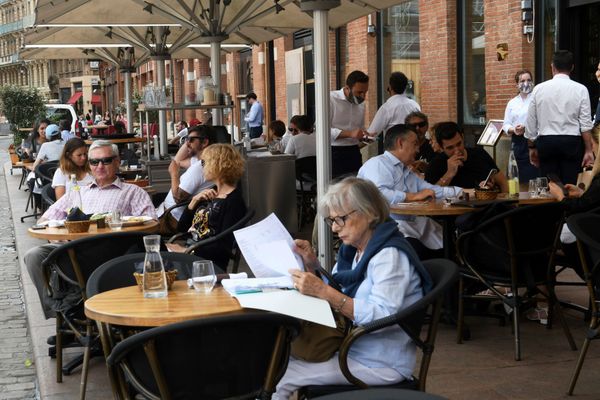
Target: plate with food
column 135, row 221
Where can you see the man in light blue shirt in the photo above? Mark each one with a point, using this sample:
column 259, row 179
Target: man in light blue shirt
column 254, row 118
column 392, row 175
column 65, row 130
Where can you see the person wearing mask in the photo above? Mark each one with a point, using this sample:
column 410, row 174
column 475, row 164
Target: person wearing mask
column 395, row 110
column 559, row 123
column 254, row 118
column 515, row 117
column 347, row 116
column 73, row 161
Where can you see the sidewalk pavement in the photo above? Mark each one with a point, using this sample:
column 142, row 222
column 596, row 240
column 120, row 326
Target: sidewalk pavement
column 481, row 368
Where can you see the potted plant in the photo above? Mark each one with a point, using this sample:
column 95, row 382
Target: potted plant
column 22, row 107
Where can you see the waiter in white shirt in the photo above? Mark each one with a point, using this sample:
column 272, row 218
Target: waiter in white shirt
column 559, row 123
column 347, row 124
column 395, row 110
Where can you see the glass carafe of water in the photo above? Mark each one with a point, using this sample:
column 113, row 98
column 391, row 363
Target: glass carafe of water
column 155, row 280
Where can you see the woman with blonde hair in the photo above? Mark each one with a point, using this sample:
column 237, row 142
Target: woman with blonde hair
column 578, row 200
column 212, row 211
column 73, row 161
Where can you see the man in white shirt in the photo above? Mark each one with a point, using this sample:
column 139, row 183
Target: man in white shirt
column 395, row 110
column 303, row 144
column 347, row 117
column 559, row 123
column 191, row 182
column 392, row 175
column 181, row 131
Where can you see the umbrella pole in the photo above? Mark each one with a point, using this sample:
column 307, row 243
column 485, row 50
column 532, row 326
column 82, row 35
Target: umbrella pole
column 321, row 54
column 215, row 71
column 128, row 103
column 162, row 114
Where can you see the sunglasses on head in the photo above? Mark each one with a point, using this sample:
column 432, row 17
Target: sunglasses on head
column 104, row 161
column 421, row 124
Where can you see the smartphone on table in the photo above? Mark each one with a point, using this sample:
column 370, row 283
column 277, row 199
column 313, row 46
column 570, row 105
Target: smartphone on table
column 552, row 177
column 492, row 172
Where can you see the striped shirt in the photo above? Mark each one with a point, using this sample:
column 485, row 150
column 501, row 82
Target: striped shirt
column 129, row 199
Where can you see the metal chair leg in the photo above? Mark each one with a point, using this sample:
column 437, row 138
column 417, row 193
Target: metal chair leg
column 461, row 312
column 580, row 360
column 59, row 349
column 517, row 330
column 86, row 362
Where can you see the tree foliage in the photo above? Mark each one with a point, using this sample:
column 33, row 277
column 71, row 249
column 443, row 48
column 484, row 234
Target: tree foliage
column 22, row 107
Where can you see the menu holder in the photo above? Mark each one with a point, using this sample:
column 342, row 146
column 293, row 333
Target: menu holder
column 491, row 133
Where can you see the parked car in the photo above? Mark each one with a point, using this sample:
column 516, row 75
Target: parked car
column 56, row 112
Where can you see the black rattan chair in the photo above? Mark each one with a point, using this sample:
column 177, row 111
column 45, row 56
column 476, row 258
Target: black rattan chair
column 586, row 228
column 306, row 189
column 74, row 262
column 240, row 356
column 48, row 196
column 383, row 394
column 44, row 173
column 235, row 252
column 514, row 249
column 444, row 274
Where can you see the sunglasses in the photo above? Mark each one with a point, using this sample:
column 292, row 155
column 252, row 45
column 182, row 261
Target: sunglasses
column 104, row 161
column 192, row 138
column 421, row 124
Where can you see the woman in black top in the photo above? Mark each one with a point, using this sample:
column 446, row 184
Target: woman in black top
column 34, row 141
column 214, row 210
column 577, row 201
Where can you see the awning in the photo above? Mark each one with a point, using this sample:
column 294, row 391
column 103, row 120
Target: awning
column 74, row 98
column 96, row 99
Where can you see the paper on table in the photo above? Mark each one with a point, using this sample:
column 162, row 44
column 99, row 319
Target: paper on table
column 292, row 303
column 267, row 248
column 249, row 285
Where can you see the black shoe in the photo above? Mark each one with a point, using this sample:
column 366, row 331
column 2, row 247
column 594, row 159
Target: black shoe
column 67, row 338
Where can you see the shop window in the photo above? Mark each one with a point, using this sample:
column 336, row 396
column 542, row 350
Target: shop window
column 472, row 53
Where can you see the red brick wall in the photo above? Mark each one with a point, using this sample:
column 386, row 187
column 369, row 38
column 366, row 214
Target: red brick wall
column 503, row 25
column 258, row 75
column 437, row 31
column 282, row 45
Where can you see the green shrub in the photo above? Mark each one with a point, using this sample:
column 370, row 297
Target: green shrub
column 22, row 107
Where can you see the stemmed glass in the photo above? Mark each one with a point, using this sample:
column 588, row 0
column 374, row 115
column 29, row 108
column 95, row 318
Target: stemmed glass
column 203, row 276
column 542, row 186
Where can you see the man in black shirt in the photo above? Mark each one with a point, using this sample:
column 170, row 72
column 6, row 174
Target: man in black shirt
column 459, row 166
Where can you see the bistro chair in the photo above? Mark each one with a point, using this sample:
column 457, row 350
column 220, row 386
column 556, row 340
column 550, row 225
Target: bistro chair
column 235, row 254
column 514, row 249
column 48, row 196
column 586, row 228
column 240, row 356
column 74, row 262
column 44, row 173
column 221, row 134
column 444, row 274
column 306, row 189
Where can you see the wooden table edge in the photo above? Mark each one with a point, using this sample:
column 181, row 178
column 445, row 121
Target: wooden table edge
column 39, row 233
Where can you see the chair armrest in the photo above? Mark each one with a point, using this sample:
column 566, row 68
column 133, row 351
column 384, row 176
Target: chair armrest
column 173, row 207
column 177, row 236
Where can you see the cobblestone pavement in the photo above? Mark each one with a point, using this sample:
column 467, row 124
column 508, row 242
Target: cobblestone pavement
column 17, row 373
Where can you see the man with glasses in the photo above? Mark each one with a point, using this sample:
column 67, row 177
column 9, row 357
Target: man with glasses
column 106, row 193
column 191, row 181
column 419, row 122
column 391, row 172
column 396, row 108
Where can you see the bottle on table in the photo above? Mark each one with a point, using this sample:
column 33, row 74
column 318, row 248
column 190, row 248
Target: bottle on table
column 155, row 280
column 247, row 142
column 74, row 193
column 513, row 175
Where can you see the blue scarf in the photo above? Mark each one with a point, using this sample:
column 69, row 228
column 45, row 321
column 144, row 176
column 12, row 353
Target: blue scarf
column 384, row 235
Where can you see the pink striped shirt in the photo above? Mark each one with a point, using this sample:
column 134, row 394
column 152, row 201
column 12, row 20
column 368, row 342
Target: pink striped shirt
column 130, row 199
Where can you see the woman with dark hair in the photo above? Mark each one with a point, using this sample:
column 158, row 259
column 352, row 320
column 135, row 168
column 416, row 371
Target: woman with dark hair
column 212, row 211
column 73, row 161
column 36, row 138
column 515, row 116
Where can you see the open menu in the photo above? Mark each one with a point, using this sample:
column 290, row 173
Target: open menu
column 267, row 248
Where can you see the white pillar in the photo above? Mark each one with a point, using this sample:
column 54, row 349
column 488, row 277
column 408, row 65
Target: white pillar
column 162, row 114
column 128, row 103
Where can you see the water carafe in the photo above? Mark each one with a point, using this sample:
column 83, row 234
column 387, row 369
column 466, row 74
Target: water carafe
column 155, row 280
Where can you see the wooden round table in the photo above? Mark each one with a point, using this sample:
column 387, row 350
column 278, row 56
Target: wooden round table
column 118, row 141
column 61, row 233
column 127, row 306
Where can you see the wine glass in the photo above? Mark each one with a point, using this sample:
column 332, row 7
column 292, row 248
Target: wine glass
column 203, row 276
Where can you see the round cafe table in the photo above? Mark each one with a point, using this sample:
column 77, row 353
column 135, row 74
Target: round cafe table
column 61, row 233
column 127, row 306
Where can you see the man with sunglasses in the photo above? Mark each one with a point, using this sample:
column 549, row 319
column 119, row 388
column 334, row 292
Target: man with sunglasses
column 191, row 181
column 396, row 108
column 419, row 122
column 106, row 193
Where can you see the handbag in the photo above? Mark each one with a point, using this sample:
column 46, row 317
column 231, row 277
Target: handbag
column 585, row 177
column 316, row 342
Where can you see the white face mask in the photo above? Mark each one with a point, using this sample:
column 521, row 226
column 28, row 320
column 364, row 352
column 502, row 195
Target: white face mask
column 526, row 87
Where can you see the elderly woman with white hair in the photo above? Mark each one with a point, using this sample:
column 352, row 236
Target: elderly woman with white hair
column 379, row 275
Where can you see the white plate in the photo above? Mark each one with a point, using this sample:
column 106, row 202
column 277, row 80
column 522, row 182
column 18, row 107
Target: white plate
column 135, row 220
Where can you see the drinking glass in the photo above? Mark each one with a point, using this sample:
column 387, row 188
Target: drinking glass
column 542, row 186
column 533, row 188
column 116, row 220
column 203, row 276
